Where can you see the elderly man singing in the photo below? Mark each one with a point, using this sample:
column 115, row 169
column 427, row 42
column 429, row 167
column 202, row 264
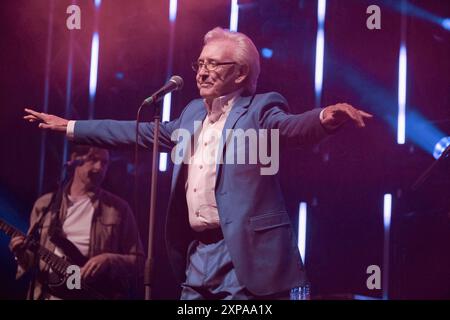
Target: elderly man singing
column 228, row 233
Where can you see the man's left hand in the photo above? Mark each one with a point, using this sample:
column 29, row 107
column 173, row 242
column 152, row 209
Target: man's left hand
column 95, row 266
column 336, row 115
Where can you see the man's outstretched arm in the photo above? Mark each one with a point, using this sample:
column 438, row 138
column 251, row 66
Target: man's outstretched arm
column 311, row 126
column 104, row 133
column 336, row 115
column 48, row 121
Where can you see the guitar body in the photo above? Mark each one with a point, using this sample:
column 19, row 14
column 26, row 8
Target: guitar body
column 100, row 289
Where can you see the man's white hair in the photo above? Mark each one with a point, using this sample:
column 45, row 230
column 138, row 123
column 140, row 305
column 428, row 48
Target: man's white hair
column 245, row 53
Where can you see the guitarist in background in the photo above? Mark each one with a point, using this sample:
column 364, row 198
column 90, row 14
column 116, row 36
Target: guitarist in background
column 99, row 224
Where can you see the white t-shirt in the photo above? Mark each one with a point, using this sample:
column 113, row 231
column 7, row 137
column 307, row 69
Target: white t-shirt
column 78, row 222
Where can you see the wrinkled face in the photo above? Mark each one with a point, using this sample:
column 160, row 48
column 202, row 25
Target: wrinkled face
column 93, row 170
column 223, row 79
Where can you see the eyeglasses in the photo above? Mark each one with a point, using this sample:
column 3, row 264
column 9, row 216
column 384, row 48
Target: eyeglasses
column 209, row 65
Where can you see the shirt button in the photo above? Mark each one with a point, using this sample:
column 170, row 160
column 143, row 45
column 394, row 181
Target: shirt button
column 197, row 213
column 201, row 167
column 206, row 143
column 195, row 189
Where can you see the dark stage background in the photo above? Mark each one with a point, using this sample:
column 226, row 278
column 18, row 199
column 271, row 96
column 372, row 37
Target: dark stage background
column 343, row 179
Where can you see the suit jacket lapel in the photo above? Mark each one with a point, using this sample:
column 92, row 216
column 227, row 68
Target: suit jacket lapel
column 239, row 108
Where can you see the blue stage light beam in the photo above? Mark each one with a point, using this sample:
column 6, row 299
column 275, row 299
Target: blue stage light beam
column 387, row 213
column 402, row 77
column 320, row 48
column 234, row 15
column 173, row 10
column 166, row 117
column 402, row 74
column 93, row 72
column 302, row 215
column 68, row 104
column 167, row 102
column 48, row 60
column 94, row 66
column 376, row 99
column 417, row 12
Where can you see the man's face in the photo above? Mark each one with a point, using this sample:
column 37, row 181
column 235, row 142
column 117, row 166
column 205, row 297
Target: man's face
column 223, row 79
column 93, row 170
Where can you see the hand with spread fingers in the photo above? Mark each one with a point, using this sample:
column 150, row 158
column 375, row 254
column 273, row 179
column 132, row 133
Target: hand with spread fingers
column 47, row 121
column 336, row 115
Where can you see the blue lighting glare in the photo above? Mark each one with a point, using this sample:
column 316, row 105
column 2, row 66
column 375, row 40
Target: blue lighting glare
column 446, row 23
column 440, row 147
column 267, row 53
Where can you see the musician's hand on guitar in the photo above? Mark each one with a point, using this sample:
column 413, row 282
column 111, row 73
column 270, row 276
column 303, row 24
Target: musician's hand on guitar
column 17, row 247
column 95, row 266
column 47, row 121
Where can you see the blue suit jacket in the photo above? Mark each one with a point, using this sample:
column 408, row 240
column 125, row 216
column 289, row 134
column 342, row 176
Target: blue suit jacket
column 253, row 216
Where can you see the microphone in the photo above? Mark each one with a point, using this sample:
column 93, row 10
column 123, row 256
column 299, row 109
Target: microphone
column 174, row 83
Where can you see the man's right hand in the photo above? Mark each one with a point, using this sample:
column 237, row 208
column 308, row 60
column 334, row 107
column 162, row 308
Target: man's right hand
column 17, row 245
column 22, row 255
column 48, row 121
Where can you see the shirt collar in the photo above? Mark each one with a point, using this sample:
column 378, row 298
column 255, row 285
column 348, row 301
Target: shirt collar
column 92, row 194
column 223, row 103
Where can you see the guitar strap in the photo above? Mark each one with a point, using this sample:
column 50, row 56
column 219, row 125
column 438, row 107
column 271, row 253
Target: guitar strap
column 57, row 235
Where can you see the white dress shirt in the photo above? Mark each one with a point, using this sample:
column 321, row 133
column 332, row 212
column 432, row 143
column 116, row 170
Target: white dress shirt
column 201, row 172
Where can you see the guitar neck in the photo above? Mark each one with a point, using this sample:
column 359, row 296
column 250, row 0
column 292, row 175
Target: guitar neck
column 58, row 264
column 10, row 230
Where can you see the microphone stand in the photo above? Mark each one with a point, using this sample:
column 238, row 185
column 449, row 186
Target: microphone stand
column 175, row 83
column 149, row 263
